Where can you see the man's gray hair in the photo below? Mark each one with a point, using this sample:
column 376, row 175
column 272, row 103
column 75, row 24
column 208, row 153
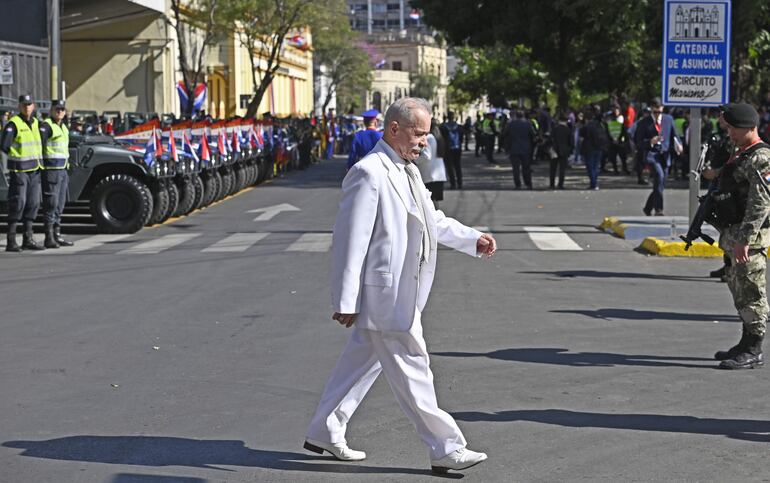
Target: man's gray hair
column 401, row 110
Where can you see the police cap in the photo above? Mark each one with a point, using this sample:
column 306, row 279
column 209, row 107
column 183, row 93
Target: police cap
column 58, row 103
column 370, row 113
column 26, row 99
column 740, row 115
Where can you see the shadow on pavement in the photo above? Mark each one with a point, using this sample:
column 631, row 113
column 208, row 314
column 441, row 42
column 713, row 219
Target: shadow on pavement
column 562, row 357
column 743, row 429
column 195, row 453
column 137, row 478
column 632, row 314
column 603, row 274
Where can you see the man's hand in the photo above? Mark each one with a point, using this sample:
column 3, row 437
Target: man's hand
column 486, row 245
column 741, row 253
column 345, row 319
column 710, row 174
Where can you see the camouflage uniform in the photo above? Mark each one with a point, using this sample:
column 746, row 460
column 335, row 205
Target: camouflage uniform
column 747, row 281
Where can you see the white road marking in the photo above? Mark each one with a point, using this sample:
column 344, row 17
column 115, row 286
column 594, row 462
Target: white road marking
column 85, row 244
column 268, row 213
column 551, row 238
column 237, row 242
column 312, row 242
column 160, row 244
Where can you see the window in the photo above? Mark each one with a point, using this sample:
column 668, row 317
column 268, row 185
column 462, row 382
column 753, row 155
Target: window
column 394, row 6
column 397, row 65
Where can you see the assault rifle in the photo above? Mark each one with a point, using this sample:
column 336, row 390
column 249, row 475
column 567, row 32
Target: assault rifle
column 706, row 205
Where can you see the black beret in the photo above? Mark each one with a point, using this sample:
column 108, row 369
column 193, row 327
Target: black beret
column 26, row 99
column 740, row 115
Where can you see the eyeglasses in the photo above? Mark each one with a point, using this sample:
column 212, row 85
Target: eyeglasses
column 60, row 109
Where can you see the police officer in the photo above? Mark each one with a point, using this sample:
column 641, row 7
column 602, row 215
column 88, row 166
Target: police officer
column 21, row 142
column 55, row 138
column 742, row 209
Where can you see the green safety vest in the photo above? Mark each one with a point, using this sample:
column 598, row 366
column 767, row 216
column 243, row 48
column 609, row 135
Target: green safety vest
column 679, row 126
column 26, row 151
column 486, row 126
column 615, row 128
column 57, row 148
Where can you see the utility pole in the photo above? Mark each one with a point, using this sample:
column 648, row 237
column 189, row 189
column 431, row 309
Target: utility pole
column 54, row 47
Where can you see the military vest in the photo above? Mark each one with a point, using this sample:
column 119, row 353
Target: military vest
column 731, row 197
column 57, row 147
column 26, row 151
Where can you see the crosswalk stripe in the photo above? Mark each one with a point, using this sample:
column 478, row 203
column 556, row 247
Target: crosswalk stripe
column 237, row 242
column 551, row 238
column 85, row 244
column 312, row 242
column 160, row 244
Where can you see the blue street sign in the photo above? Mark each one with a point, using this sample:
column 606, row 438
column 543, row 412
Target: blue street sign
column 696, row 53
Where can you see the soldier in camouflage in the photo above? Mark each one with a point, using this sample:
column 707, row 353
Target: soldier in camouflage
column 745, row 238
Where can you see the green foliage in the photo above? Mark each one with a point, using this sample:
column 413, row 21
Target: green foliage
column 424, row 84
column 499, row 72
column 594, row 47
column 336, row 47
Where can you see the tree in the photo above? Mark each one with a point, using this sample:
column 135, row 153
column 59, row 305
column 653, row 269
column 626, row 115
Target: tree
column 424, row 84
column 262, row 27
column 570, row 38
column 196, row 29
column 500, row 73
column 336, row 47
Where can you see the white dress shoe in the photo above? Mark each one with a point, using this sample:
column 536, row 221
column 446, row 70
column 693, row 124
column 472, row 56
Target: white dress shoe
column 338, row 450
column 457, row 460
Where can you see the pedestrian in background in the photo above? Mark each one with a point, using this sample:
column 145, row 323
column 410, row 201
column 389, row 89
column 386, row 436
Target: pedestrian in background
column 563, row 144
column 467, row 131
column 431, row 164
column 21, row 142
column 489, row 131
column 453, row 135
column 364, row 141
column 383, row 262
column 594, row 143
column 521, row 143
column 655, row 135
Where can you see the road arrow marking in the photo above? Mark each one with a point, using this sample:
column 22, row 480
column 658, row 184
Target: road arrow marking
column 270, row 212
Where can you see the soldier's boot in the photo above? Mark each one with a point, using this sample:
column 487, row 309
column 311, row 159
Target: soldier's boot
column 749, row 358
column 12, row 245
column 63, row 242
column 718, row 273
column 50, row 239
column 28, row 240
column 734, row 350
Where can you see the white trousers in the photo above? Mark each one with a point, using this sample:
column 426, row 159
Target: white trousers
column 403, row 357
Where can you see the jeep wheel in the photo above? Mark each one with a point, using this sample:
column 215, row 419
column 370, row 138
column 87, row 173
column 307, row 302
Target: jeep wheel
column 227, row 184
column 240, row 178
column 186, row 197
column 160, row 196
column 121, row 204
column 197, row 183
column 173, row 200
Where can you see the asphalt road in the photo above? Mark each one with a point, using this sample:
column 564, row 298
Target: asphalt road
column 196, row 352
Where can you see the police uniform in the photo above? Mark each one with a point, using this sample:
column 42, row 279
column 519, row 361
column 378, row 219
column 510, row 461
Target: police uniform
column 55, row 179
column 21, row 141
column 364, row 141
column 742, row 206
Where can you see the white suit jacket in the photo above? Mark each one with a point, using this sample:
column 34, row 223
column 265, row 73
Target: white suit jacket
column 376, row 244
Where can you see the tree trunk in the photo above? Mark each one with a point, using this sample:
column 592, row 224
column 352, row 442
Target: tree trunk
column 256, row 100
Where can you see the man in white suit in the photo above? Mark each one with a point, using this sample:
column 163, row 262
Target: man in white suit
column 383, row 262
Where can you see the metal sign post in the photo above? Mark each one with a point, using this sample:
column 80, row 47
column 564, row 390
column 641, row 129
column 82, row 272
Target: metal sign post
column 696, row 65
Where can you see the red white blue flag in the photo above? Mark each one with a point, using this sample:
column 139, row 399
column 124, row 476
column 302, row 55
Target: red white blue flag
column 172, row 154
column 188, row 148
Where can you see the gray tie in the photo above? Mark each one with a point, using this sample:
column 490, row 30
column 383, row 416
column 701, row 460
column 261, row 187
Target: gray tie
column 412, row 176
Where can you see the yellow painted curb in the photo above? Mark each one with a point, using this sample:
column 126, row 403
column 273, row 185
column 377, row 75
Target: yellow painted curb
column 613, row 224
column 662, row 248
